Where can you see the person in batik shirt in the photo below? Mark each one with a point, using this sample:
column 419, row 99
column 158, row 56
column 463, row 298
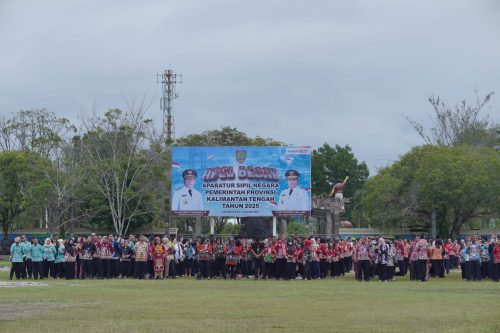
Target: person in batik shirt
column 158, row 253
column 422, row 247
column 382, row 253
column 363, row 259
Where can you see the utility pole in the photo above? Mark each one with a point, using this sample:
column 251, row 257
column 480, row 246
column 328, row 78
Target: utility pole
column 168, row 80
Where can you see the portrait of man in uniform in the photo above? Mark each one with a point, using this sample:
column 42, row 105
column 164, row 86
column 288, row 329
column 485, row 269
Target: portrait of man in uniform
column 187, row 198
column 294, row 197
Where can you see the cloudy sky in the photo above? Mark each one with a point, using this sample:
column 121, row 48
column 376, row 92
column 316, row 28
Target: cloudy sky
column 303, row 72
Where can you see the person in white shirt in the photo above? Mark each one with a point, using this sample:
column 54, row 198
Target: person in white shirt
column 293, row 198
column 187, row 198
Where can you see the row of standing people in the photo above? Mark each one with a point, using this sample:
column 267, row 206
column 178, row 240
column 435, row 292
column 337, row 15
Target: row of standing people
column 477, row 258
column 108, row 257
column 292, row 258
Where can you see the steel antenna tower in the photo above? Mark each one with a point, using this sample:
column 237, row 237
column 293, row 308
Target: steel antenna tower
column 169, row 80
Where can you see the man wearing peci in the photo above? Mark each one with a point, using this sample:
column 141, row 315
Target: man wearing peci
column 187, row 198
column 293, row 198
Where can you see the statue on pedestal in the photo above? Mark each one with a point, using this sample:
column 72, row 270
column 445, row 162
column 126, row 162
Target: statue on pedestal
column 338, row 191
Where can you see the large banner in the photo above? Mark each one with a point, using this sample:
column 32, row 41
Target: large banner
column 241, row 181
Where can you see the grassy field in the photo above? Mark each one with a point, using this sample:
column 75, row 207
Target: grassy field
column 188, row 305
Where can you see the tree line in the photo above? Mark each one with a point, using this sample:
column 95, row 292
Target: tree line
column 108, row 172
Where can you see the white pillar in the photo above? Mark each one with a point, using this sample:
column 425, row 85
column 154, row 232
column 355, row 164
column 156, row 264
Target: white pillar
column 274, row 226
column 212, row 226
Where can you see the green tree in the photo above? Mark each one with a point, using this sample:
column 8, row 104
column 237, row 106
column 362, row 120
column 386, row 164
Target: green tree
column 39, row 131
column 44, row 133
column 297, row 229
column 121, row 167
column 461, row 124
column 330, row 165
column 459, row 184
column 226, row 136
column 19, row 180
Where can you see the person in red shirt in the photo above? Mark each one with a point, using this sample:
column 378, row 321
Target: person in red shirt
column 158, row 254
column 446, row 258
column 233, row 253
column 349, row 254
column 298, row 257
column 323, row 265
column 496, row 261
column 204, row 251
column 280, row 258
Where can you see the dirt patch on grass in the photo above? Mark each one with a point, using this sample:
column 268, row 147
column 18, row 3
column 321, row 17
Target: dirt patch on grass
column 4, row 269
column 14, row 311
column 15, row 284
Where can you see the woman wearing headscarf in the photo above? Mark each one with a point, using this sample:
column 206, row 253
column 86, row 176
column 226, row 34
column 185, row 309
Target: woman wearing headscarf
column 315, row 270
column 391, row 259
column 179, row 258
column 335, row 259
column 464, row 260
column 382, row 253
column 298, row 259
column 306, row 259
column 475, row 259
column 268, row 254
column 291, row 265
column 17, row 253
column 70, row 253
column 323, row 257
column 49, row 257
column 126, row 256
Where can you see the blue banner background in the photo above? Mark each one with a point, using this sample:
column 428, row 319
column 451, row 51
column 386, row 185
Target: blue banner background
column 202, row 158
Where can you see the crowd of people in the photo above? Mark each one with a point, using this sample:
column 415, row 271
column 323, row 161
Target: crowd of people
column 284, row 258
column 477, row 258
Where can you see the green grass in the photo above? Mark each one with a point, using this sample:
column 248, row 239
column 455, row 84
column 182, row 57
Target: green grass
column 188, row 305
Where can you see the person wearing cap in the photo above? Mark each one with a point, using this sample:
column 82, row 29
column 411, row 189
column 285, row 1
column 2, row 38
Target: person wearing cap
column 187, row 198
column 293, row 198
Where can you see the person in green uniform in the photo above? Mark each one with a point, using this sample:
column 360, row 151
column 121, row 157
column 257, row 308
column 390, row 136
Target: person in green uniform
column 49, row 257
column 36, row 256
column 27, row 262
column 17, row 254
column 59, row 262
